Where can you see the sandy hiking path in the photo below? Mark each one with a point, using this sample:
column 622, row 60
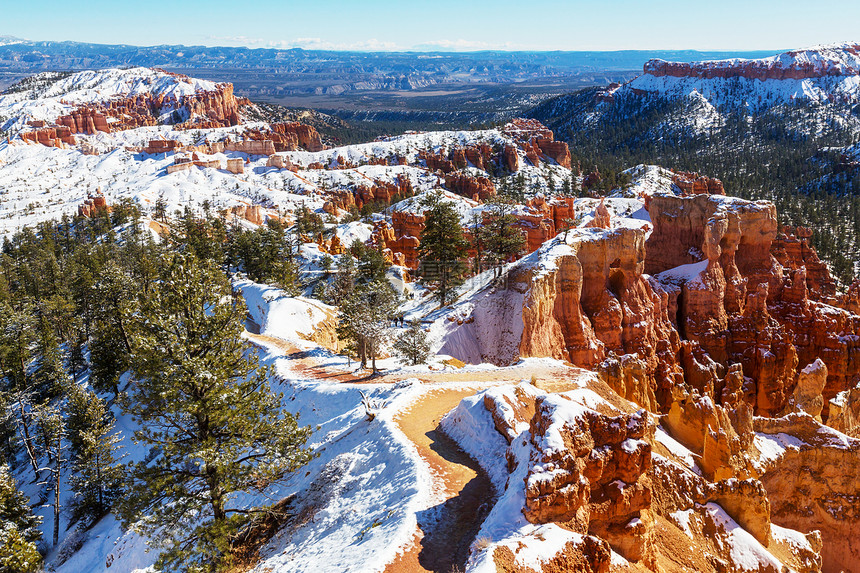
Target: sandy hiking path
column 463, row 493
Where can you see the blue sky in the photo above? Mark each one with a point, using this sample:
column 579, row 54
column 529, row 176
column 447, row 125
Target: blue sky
column 440, row 24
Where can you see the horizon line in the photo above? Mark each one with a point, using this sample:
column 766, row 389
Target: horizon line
column 417, row 49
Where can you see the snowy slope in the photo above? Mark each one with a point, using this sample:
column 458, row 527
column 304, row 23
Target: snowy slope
column 38, row 183
column 820, row 74
column 358, row 500
column 45, row 97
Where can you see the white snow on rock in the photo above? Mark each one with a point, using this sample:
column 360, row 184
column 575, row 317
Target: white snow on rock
column 836, row 66
column 747, row 553
column 49, row 98
column 472, row 426
column 685, row 274
column 290, row 318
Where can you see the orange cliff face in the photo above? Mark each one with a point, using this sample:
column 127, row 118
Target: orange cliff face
column 695, row 184
column 594, row 464
column 747, row 308
column 541, row 221
column 218, row 108
column 50, row 136
column 790, row 351
column 94, row 205
column 478, row 188
column 723, row 324
column 581, row 301
column 530, row 136
column 286, row 137
column 538, row 141
column 598, row 484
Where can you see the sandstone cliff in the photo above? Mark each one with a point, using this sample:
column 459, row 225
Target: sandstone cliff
column 734, row 328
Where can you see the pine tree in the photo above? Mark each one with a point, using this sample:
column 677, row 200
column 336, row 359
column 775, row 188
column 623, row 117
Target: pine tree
column 8, row 444
column 110, row 348
column 477, row 243
column 98, row 474
column 206, row 410
column 19, row 529
column 566, row 187
column 412, row 345
column 160, row 211
column 503, row 240
column 52, row 430
column 365, row 319
column 50, row 374
column 442, row 249
column 372, row 265
column 308, row 223
column 265, row 255
column 16, row 338
column 344, row 281
column 204, row 237
column 77, row 359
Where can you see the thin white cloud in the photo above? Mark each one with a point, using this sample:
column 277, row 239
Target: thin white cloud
column 231, row 41
column 371, row 45
column 462, row 45
column 305, row 43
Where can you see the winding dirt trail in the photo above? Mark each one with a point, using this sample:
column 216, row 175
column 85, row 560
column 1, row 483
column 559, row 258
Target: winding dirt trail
column 462, row 491
column 303, row 362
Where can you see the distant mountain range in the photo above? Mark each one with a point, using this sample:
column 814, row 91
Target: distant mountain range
column 324, row 72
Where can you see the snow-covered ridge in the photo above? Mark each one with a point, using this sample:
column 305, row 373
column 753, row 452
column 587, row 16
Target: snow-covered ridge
column 45, row 98
column 822, row 74
column 815, row 62
column 92, row 86
column 11, row 40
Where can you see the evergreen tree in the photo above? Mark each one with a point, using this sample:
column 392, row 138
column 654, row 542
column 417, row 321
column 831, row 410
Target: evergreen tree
column 442, row 249
column 52, row 430
column 97, row 473
column 19, row 529
column 265, row 255
column 111, row 346
column 477, row 243
column 344, row 281
column 16, row 339
column 503, row 240
column 204, row 237
column 412, row 345
column 365, row 318
column 160, row 211
column 77, row 359
column 8, row 444
column 205, row 409
column 50, row 374
column 371, row 261
column 308, row 223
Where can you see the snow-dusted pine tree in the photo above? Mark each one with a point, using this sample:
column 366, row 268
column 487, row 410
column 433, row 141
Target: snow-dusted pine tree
column 206, row 411
column 412, row 345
